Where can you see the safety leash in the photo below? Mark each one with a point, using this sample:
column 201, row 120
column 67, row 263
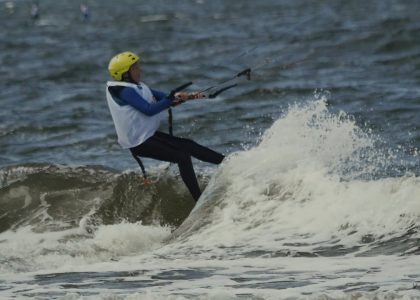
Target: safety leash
column 146, row 180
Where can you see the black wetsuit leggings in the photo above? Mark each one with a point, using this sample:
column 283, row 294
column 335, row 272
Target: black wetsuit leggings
column 162, row 146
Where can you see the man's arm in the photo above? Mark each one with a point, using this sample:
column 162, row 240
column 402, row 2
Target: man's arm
column 131, row 97
column 158, row 94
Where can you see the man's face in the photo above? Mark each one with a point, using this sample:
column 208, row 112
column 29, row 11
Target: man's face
column 135, row 72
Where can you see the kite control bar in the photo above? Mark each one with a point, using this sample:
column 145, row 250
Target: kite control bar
column 178, row 89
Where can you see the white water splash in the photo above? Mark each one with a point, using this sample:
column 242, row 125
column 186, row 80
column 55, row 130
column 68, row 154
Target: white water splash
column 24, row 250
column 292, row 192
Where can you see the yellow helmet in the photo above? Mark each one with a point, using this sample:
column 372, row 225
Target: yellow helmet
column 120, row 64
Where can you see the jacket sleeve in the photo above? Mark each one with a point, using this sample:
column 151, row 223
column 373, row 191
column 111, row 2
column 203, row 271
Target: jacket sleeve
column 158, row 94
column 131, row 97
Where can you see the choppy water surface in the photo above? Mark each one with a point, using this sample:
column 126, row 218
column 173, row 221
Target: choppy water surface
column 319, row 195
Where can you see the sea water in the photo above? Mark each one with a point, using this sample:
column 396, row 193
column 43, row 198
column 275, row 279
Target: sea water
column 319, row 194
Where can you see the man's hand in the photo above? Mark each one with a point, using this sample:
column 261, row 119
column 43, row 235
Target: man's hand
column 196, row 95
column 183, row 96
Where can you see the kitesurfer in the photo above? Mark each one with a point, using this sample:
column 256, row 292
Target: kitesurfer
column 135, row 110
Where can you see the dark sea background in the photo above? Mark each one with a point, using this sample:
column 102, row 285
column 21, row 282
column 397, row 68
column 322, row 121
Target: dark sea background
column 327, row 129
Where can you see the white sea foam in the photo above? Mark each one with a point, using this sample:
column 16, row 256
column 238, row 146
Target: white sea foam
column 379, row 277
column 291, row 189
column 24, row 250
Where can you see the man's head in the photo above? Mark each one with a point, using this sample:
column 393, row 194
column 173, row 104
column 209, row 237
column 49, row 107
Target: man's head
column 125, row 67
